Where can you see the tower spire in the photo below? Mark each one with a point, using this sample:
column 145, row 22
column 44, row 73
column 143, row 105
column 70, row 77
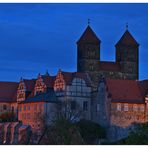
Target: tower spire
column 126, row 26
column 88, row 21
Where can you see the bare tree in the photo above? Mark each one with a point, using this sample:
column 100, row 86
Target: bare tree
column 70, row 110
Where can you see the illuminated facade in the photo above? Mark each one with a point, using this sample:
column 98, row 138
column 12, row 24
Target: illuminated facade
column 106, row 92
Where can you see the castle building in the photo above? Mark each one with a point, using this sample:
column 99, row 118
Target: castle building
column 108, row 93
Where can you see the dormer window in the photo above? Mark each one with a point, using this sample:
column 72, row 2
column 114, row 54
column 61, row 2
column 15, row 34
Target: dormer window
column 59, row 82
column 21, row 91
column 40, row 86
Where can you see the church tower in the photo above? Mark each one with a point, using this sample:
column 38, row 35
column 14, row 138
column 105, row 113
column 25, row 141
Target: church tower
column 127, row 55
column 88, row 51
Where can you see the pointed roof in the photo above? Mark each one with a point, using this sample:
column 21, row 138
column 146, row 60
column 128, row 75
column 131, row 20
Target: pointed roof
column 8, row 91
column 89, row 37
column 127, row 39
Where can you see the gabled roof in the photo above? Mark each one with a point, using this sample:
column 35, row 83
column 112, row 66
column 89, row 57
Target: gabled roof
column 89, row 37
column 109, row 66
column 69, row 76
column 127, row 39
column 124, row 91
column 49, row 96
column 8, row 91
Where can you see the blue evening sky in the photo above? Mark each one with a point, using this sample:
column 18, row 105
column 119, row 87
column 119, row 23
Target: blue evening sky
column 37, row 37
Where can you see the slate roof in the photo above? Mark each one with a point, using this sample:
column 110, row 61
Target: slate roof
column 125, row 91
column 8, row 91
column 127, row 39
column 49, row 96
column 109, row 66
column 89, row 36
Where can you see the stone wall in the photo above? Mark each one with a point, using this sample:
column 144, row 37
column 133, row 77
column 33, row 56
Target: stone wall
column 126, row 118
column 1, row 133
column 31, row 114
column 11, row 133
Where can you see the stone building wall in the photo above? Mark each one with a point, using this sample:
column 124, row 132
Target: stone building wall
column 5, row 107
column 31, row 114
column 126, row 118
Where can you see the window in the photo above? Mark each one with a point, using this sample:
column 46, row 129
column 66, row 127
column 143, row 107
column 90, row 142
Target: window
column 135, row 108
column 20, row 108
column 40, row 107
column 24, row 107
column 35, row 107
column 85, row 105
column 28, row 115
column 142, row 108
column 4, row 107
column 24, row 116
column 73, row 105
column 98, row 107
column 28, row 107
column 125, row 107
column 12, row 109
column 119, row 107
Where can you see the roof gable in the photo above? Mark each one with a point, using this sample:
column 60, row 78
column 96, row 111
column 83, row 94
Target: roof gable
column 127, row 39
column 89, row 37
column 69, row 76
